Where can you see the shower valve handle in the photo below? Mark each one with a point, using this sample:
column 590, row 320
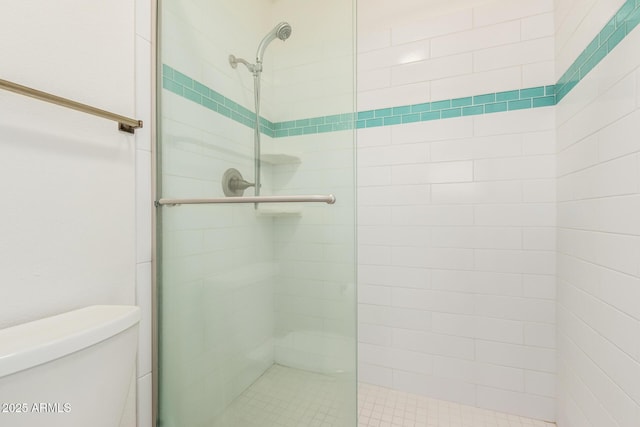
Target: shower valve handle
column 239, row 184
column 233, row 184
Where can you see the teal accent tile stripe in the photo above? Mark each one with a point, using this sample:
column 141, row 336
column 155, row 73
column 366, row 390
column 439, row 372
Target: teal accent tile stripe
column 183, row 85
column 616, row 29
column 534, row 97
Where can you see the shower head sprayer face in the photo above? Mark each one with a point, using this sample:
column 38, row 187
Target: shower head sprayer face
column 281, row 31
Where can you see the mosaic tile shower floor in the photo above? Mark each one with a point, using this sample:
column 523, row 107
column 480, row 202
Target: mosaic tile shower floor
column 382, row 407
column 286, row 397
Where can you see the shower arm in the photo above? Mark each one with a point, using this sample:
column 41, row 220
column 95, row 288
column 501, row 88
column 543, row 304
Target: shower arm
column 253, row 68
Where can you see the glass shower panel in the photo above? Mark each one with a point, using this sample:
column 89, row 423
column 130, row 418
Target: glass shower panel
column 256, row 302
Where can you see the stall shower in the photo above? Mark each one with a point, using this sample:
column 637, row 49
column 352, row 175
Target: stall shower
column 497, row 205
column 256, row 292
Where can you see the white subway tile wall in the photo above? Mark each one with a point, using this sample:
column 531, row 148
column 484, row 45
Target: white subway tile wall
column 457, row 217
column 598, row 232
column 486, row 48
column 309, row 75
column 217, row 318
column 577, row 22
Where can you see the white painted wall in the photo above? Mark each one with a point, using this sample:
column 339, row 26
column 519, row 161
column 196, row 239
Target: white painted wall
column 598, row 231
column 76, row 229
column 457, row 217
column 68, row 179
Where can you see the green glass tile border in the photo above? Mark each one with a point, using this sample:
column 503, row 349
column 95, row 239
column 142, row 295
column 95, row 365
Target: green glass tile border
column 183, row 85
column 534, row 97
column 487, row 103
column 616, row 29
column 188, row 88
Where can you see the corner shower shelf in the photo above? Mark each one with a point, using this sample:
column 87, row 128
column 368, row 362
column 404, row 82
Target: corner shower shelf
column 281, row 209
column 279, row 158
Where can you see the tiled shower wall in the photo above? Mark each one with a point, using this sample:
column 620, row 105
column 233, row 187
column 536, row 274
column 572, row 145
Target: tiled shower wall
column 216, row 294
column 598, row 222
column 457, row 216
column 315, row 288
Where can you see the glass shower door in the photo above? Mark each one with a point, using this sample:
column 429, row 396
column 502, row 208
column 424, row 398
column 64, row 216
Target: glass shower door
column 256, row 301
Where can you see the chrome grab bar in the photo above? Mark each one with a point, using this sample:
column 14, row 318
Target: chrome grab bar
column 125, row 124
column 328, row 199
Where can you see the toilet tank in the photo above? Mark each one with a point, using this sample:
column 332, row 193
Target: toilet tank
column 71, row 370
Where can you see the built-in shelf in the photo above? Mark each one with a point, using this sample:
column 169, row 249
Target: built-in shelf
column 279, row 209
column 279, row 158
column 271, row 153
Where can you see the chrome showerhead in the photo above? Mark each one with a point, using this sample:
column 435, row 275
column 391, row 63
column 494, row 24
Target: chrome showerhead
column 281, row 31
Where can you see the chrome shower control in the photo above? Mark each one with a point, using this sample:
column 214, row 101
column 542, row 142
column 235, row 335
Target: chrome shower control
column 233, row 185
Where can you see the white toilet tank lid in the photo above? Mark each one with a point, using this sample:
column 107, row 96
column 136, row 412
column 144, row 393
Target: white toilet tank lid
column 34, row 343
